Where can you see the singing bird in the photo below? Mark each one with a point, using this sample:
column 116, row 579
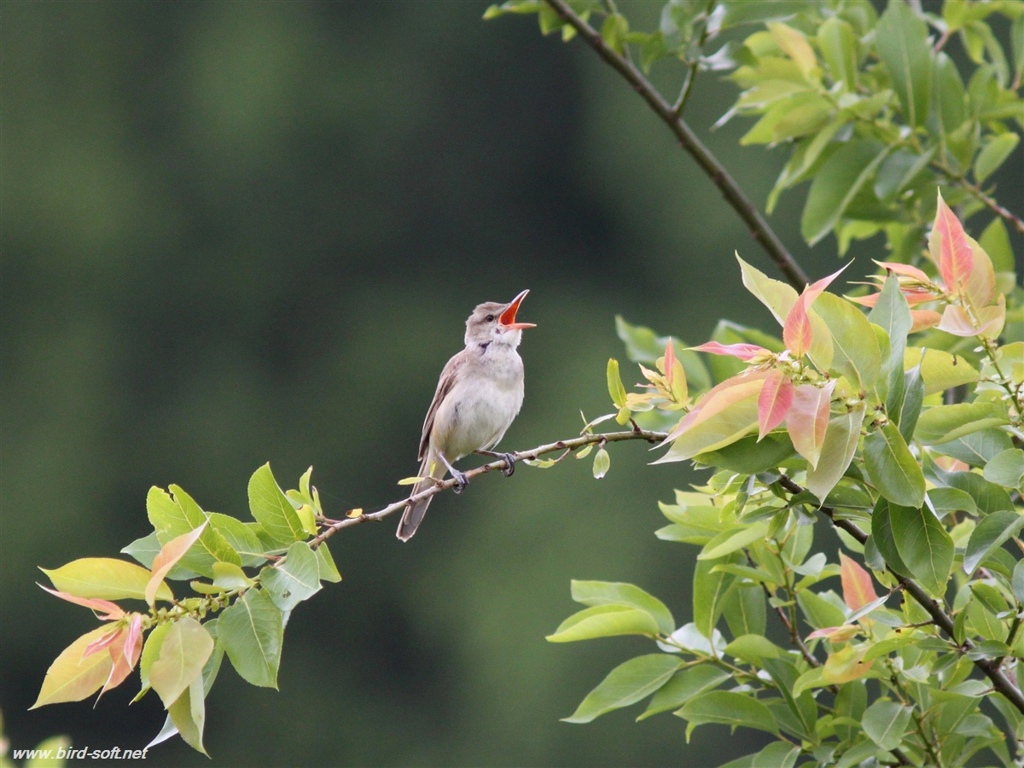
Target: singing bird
column 478, row 396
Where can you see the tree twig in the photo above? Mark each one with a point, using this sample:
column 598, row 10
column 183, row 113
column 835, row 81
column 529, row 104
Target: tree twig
column 747, row 211
column 334, row 526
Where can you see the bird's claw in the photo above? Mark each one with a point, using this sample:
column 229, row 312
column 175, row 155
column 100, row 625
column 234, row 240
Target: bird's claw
column 461, row 481
column 510, row 460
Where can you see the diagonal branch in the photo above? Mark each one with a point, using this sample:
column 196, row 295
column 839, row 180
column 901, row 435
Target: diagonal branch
column 759, row 228
column 989, row 667
column 566, row 446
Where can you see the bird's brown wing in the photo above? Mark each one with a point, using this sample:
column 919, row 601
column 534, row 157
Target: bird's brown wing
column 444, row 386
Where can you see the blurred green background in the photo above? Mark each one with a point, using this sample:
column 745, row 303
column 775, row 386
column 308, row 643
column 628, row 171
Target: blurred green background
column 240, row 232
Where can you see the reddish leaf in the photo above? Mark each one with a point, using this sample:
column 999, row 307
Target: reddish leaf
column 906, row 270
column 836, row 634
column 742, row 351
column 796, row 331
column 774, row 401
column 125, row 655
column 109, row 611
column 167, row 557
column 949, row 248
column 923, row 319
column 670, row 362
column 858, row 590
column 865, row 301
column 808, row 419
column 102, row 642
column 815, row 289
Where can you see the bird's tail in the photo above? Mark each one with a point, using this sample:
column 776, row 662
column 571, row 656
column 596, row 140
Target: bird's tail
column 415, row 510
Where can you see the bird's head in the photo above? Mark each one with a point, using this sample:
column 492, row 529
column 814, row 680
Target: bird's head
column 494, row 322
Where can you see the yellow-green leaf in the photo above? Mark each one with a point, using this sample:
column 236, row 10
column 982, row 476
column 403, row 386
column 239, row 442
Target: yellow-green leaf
column 104, row 577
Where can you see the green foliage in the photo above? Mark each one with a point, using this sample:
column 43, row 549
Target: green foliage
column 919, row 492
column 178, row 646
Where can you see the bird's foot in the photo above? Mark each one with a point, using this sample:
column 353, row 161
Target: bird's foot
column 461, row 481
column 511, row 461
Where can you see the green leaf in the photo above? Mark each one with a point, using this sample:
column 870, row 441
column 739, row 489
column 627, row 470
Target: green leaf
column 182, row 653
column 709, row 590
column 923, row 545
column 892, row 467
column 994, row 154
column 838, row 43
column 627, row 684
column 977, row 448
column 175, row 514
column 271, row 508
column 856, row 354
column 753, row 649
column 611, row 592
column 908, row 410
column 885, row 722
column 604, row 621
column 748, row 455
column 744, row 610
column 188, row 714
column 251, row 632
column 294, row 580
column 683, row 686
column 602, row 463
column 841, row 439
column 105, row 578
column 732, row 540
column 73, row 676
column 327, row 570
column 728, row 708
column 1006, row 468
column 892, row 314
column 991, row 533
column 239, row 537
column 616, row 390
column 836, row 184
column 902, row 42
column 942, row 423
column 940, row 370
column 778, row 754
column 988, row 496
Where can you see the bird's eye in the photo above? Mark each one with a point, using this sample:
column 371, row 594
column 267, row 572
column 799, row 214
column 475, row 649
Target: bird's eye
column 489, row 318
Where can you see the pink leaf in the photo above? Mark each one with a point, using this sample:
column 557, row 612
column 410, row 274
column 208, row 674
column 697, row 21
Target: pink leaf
column 949, row 248
column 865, row 301
column 125, row 655
column 670, row 362
column 168, row 556
column 796, row 331
column 815, row 289
column 110, row 611
column 906, row 270
column 742, row 351
column 858, row 590
column 774, row 401
column 102, row 642
column 808, row 419
column 923, row 319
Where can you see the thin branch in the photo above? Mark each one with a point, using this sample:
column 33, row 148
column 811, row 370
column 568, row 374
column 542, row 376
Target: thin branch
column 334, row 526
column 990, row 667
column 747, row 211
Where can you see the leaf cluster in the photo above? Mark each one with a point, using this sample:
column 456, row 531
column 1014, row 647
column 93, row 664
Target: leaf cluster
column 244, row 580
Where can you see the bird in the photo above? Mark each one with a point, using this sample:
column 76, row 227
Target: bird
column 478, row 396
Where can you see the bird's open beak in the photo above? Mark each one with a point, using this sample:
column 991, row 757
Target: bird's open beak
column 508, row 317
